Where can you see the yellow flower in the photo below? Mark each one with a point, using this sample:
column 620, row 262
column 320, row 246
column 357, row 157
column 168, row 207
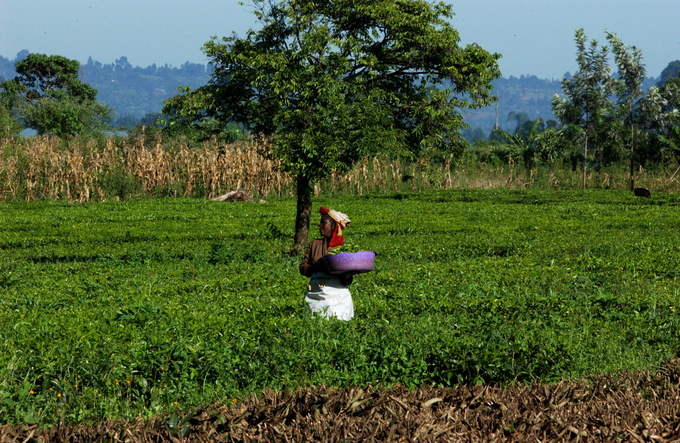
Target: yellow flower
column 128, row 382
column 31, row 392
column 58, row 395
column 116, row 382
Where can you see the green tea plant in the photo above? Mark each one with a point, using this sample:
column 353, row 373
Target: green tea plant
column 120, row 309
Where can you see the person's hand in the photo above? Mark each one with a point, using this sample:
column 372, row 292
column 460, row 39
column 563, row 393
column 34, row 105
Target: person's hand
column 347, row 278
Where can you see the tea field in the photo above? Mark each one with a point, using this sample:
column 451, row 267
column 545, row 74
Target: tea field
column 120, row 309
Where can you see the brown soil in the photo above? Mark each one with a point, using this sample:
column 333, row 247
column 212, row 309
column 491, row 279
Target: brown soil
column 633, row 407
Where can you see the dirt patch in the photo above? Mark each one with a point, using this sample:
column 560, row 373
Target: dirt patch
column 634, row 407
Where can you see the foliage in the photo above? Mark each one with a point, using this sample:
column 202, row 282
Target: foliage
column 187, row 115
column 628, row 89
column 672, row 70
column 49, row 98
column 587, row 94
column 123, row 309
column 9, row 125
column 614, row 113
column 671, row 143
column 333, row 82
column 532, row 143
column 136, row 90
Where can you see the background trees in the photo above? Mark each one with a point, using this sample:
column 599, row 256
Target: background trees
column 332, row 82
column 587, row 94
column 48, row 97
column 628, row 89
column 613, row 112
column 9, row 125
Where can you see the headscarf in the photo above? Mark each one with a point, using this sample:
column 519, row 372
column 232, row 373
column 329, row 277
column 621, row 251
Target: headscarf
column 341, row 222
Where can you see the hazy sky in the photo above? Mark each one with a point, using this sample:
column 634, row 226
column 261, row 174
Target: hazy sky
column 534, row 37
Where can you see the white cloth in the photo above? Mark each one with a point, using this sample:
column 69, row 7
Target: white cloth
column 328, row 297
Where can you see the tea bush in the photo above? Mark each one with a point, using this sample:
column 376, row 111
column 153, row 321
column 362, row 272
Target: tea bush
column 119, row 309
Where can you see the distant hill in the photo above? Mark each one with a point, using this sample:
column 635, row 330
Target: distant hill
column 135, row 92
column 527, row 94
column 130, row 90
column 139, row 91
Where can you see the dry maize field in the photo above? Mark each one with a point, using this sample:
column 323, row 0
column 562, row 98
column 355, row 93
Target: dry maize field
column 83, row 170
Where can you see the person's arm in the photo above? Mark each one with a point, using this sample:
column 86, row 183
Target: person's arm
column 308, row 266
column 304, row 264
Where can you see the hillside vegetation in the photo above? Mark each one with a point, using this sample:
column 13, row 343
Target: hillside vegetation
column 135, row 91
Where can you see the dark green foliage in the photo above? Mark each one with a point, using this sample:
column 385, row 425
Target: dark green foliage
column 612, row 116
column 47, row 96
column 332, row 83
column 126, row 308
column 9, row 125
column 672, row 70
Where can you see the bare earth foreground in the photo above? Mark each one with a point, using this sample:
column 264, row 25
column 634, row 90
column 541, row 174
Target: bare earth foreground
column 633, row 407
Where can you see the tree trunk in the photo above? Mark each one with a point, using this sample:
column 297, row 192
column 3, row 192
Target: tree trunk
column 585, row 162
column 304, row 208
column 632, row 166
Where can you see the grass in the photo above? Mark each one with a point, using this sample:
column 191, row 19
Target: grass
column 119, row 309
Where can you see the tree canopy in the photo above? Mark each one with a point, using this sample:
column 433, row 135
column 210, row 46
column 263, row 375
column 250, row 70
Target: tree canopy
column 672, row 70
column 613, row 112
column 587, row 94
column 331, row 81
column 47, row 96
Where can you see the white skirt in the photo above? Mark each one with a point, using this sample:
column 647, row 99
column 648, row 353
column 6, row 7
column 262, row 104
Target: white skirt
column 328, row 297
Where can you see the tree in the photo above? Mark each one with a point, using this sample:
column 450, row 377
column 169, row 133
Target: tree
column 587, row 94
column 523, row 144
column 331, row 81
column 672, row 70
column 474, row 135
column 628, row 89
column 659, row 116
column 9, row 125
column 48, row 97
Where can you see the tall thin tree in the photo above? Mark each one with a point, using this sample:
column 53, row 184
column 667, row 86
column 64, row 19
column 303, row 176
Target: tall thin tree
column 587, row 93
column 628, row 89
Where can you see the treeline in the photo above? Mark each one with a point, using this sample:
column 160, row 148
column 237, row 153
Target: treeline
column 136, row 94
column 133, row 91
column 604, row 116
column 599, row 117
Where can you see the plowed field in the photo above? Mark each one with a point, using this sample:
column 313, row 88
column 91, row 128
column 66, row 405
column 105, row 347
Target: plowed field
column 636, row 407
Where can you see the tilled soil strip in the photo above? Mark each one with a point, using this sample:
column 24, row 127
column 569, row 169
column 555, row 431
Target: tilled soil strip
column 633, row 407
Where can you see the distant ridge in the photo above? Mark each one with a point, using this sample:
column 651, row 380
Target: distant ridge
column 134, row 91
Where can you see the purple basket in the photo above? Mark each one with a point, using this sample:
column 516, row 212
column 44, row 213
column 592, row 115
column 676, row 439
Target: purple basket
column 358, row 262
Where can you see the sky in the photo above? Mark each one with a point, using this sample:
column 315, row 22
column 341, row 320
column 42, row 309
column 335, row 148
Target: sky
column 534, row 37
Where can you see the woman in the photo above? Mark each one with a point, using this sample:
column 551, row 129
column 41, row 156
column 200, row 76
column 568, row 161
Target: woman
column 327, row 295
